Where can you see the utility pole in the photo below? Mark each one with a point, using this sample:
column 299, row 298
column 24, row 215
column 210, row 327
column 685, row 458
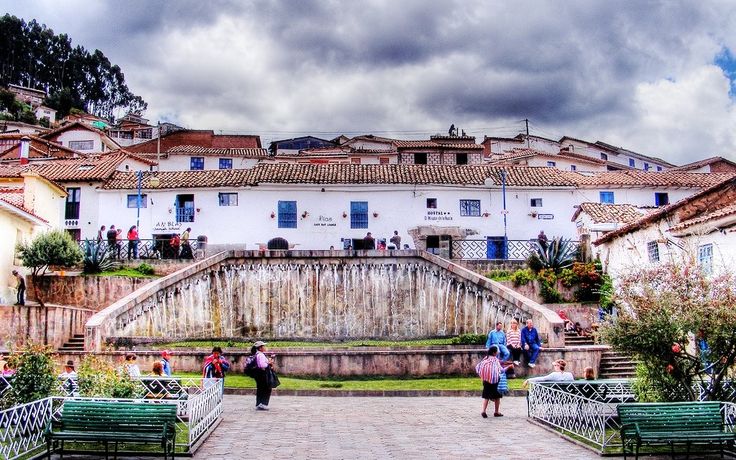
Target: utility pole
column 526, row 120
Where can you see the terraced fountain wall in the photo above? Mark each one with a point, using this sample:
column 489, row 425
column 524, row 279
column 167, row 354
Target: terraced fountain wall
column 317, row 295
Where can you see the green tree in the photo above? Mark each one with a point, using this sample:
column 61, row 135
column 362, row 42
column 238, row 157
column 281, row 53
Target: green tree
column 54, row 248
column 34, row 376
column 681, row 325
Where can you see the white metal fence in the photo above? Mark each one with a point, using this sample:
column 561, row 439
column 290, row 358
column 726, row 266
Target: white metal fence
column 199, row 403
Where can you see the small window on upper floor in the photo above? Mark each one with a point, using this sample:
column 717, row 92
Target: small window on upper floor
column 705, row 258
column 82, row 145
column 461, row 159
column 431, row 203
column 287, row 214
column 355, row 161
column 196, row 163
column 632, row 162
column 133, row 201
column 470, row 208
column 606, row 197
column 604, row 157
column 536, row 202
column 661, row 199
column 659, row 169
column 653, row 251
column 646, row 166
column 226, row 163
column 228, row 199
column 573, row 168
column 551, row 164
column 420, row 158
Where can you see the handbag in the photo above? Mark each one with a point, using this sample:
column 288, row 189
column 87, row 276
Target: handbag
column 272, row 378
column 503, row 384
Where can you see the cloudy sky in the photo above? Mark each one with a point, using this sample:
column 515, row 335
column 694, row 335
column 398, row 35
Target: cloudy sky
column 657, row 77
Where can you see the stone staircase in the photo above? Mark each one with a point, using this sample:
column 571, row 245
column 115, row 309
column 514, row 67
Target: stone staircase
column 573, row 340
column 616, row 365
column 76, row 343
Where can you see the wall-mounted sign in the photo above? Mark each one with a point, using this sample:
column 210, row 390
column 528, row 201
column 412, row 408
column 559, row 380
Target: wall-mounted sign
column 167, row 226
column 325, row 221
column 438, row 215
column 546, row 216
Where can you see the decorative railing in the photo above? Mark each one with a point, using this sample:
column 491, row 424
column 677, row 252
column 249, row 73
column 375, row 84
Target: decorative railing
column 494, row 249
column 157, row 248
column 199, row 403
column 587, row 410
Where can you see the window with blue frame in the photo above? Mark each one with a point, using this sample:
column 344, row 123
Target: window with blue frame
column 358, row 214
column 632, row 162
column 196, row 163
column 659, row 169
column 604, row 157
column 573, row 168
column 653, row 251
column 705, row 258
column 661, row 199
column 226, row 163
column 551, row 164
column 133, row 201
column 646, row 166
column 607, row 197
column 228, row 199
column 287, row 214
column 470, row 208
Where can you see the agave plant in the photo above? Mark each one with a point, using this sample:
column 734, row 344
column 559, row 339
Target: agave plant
column 97, row 258
column 557, row 254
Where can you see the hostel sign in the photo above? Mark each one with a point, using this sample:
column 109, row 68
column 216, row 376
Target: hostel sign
column 167, row 226
column 438, row 215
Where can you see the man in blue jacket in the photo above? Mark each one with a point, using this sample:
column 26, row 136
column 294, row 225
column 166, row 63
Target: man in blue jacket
column 497, row 337
column 531, row 343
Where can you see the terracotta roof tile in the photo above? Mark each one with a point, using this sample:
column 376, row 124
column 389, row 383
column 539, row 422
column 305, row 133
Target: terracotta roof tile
column 14, row 197
column 182, row 179
column 717, row 214
column 521, row 153
column 209, row 151
column 701, row 163
column 633, row 178
column 96, row 168
column 423, row 144
column 601, row 213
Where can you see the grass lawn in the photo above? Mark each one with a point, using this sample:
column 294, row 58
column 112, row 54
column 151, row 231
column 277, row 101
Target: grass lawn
column 376, row 384
column 284, row 344
column 124, row 271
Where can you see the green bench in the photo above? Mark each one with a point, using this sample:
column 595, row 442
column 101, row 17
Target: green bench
column 687, row 423
column 113, row 422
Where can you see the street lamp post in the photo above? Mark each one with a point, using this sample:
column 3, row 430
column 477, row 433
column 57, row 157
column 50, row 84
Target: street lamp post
column 138, row 201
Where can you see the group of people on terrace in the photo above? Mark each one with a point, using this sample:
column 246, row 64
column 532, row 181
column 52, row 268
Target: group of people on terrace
column 513, row 342
column 177, row 247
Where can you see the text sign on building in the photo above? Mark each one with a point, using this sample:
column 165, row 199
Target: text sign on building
column 438, row 215
column 325, row 221
column 167, row 226
column 546, row 216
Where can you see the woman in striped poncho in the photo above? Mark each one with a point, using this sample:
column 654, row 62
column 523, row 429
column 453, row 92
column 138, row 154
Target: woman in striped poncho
column 489, row 370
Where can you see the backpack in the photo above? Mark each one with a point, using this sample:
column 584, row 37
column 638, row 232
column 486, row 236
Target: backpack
column 251, row 366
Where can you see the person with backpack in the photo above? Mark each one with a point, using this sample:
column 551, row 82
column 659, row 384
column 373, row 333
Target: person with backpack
column 258, row 366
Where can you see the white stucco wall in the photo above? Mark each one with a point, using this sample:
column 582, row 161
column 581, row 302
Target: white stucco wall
column 182, row 162
column 82, row 135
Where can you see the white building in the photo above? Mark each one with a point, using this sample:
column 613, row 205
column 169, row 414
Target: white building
column 699, row 227
column 82, row 137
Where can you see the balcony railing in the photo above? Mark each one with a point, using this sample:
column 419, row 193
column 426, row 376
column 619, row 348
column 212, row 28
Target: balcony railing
column 494, row 249
column 184, row 215
column 159, row 248
column 71, row 211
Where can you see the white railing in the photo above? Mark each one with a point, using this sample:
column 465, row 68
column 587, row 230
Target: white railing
column 581, row 409
column 199, row 410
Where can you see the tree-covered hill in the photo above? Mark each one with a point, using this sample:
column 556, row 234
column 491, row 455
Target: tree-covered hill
column 32, row 55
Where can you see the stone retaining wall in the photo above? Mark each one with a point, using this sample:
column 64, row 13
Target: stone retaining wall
column 93, row 292
column 21, row 324
column 399, row 362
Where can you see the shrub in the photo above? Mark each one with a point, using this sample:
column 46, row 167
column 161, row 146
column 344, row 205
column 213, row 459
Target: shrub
column 522, row 277
column 97, row 259
column 145, row 269
column 556, row 255
column 549, row 293
column 99, row 379
column 469, row 339
column 568, row 277
column 663, row 310
column 590, row 280
column 498, row 275
column 34, row 376
column 534, row 262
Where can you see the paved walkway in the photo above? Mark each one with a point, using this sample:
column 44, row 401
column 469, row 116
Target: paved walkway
column 381, row 428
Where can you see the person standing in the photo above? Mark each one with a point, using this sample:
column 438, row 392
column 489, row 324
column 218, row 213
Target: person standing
column 186, row 248
column 112, row 236
column 215, row 365
column 531, row 343
column 490, row 370
column 101, row 234
column 165, row 363
column 68, row 379
column 133, row 242
column 369, row 242
column 513, row 341
column 21, row 287
column 396, row 240
column 119, row 241
column 497, row 337
column 542, row 240
column 263, row 364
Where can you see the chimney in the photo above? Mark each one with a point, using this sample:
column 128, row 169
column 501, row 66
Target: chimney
column 25, row 144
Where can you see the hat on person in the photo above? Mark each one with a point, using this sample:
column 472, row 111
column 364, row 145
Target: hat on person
column 259, row 344
column 166, row 353
column 70, row 363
